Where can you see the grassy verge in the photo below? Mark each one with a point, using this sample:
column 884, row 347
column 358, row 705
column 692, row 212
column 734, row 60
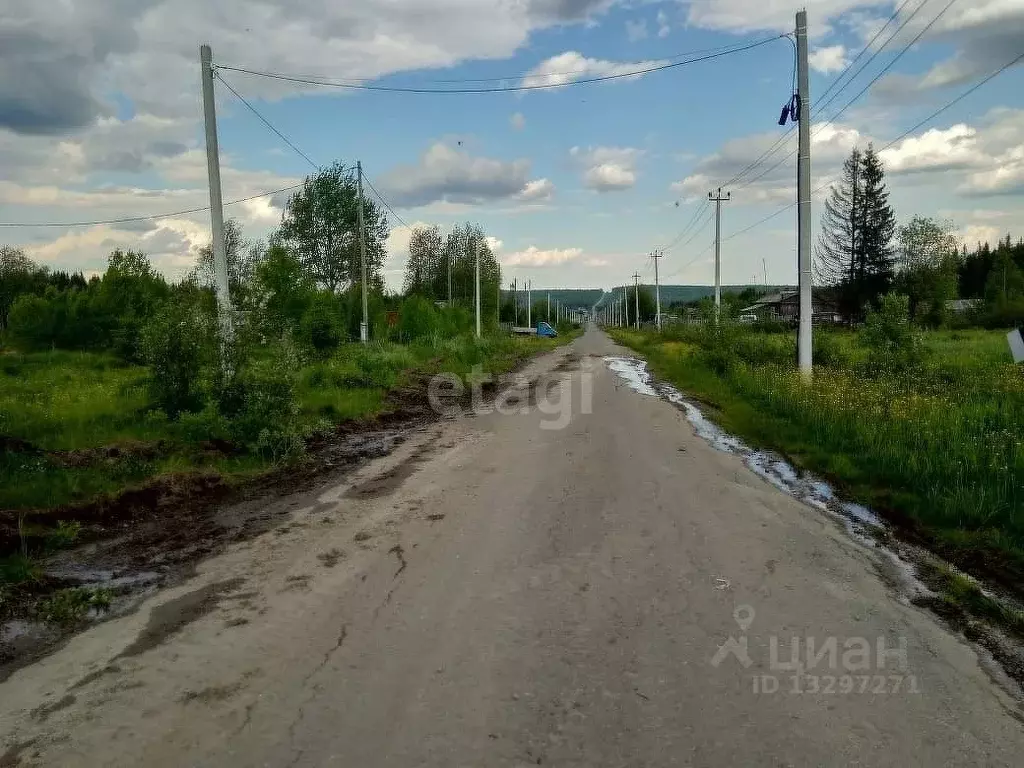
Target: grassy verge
column 75, row 427
column 937, row 451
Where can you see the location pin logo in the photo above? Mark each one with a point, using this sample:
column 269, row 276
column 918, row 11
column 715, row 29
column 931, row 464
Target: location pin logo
column 744, row 615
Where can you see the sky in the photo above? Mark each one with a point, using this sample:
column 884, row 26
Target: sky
column 101, row 118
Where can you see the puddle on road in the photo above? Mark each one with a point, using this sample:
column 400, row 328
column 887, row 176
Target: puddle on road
column 860, row 521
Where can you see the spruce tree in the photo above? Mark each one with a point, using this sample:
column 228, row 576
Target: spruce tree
column 876, row 267
column 840, row 244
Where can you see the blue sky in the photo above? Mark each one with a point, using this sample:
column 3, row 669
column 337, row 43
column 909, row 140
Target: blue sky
column 99, row 118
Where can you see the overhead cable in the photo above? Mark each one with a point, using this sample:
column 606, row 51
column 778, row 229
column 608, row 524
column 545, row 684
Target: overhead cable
column 499, row 89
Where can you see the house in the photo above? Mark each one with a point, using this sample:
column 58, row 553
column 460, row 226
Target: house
column 784, row 306
column 962, row 306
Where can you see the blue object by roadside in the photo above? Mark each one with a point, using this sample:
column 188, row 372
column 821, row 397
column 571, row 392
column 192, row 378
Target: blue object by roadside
column 543, row 329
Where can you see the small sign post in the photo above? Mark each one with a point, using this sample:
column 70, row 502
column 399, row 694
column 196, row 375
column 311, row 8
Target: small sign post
column 1016, row 340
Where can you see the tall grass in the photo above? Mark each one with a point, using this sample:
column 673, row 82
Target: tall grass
column 77, row 401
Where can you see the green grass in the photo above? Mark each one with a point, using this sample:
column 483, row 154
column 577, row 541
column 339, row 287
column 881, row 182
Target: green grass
column 77, row 402
column 939, row 448
column 68, row 400
column 67, row 607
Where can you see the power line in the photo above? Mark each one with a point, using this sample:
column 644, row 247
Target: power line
column 697, row 232
column 689, row 225
column 896, row 58
column 820, row 127
column 130, row 219
column 385, row 202
column 818, row 109
column 932, row 116
column 691, row 261
column 267, row 123
column 500, row 89
column 870, row 43
column 517, row 76
column 958, row 99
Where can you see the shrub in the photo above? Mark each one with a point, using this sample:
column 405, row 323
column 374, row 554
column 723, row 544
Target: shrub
column 70, row 606
column 894, row 343
column 64, row 535
column 198, row 427
column 32, row 322
column 260, row 403
column 1004, row 314
column 829, row 350
column 178, row 343
column 418, row 318
column 321, row 326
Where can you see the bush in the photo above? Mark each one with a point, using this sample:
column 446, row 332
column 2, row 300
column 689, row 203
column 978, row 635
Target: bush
column 178, row 343
column 418, row 318
column 260, row 403
column 33, row 323
column 321, row 326
column 894, row 344
column 204, row 425
column 830, row 351
column 1005, row 314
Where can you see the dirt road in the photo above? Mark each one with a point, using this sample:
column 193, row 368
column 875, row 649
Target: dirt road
column 579, row 581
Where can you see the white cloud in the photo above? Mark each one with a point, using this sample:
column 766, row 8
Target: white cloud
column 663, row 27
column 452, row 175
column 971, row 234
column 537, row 191
column 935, row 149
column 608, row 177
column 517, row 121
column 636, row 30
column 571, row 66
column 745, row 16
column 773, row 180
column 535, row 257
column 69, row 71
column 607, row 169
column 989, row 155
column 828, row 60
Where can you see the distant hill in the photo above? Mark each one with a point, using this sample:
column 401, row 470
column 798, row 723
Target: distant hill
column 682, row 294
column 577, row 298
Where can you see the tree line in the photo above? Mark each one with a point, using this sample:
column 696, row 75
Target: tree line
column 863, row 253
column 295, row 295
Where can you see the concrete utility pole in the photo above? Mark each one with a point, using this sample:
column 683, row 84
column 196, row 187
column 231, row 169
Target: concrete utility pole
column 718, row 247
column 220, row 259
column 449, row 257
column 625, row 306
column 476, row 252
column 804, row 341
column 657, row 288
column 515, row 302
column 364, row 327
column 636, row 297
column 548, row 315
column 529, row 306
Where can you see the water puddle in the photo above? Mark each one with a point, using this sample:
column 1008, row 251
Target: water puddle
column 72, row 575
column 862, row 523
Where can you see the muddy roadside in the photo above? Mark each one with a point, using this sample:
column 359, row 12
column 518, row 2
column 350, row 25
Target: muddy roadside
column 153, row 536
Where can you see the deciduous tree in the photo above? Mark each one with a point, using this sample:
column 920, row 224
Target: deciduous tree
column 320, row 223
